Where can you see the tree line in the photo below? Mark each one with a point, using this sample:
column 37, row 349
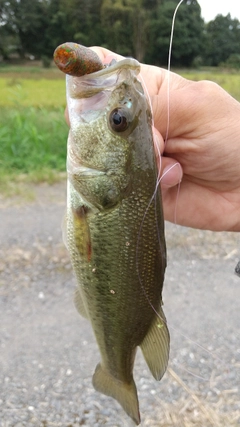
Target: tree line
column 138, row 28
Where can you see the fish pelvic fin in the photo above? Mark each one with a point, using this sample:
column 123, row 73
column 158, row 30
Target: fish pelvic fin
column 79, row 304
column 124, row 393
column 155, row 346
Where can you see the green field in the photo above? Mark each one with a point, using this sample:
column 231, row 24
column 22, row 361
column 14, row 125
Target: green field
column 33, row 132
column 229, row 81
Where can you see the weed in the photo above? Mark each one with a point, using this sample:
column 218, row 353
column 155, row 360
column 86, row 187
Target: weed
column 15, row 90
column 228, row 81
column 33, row 132
column 32, row 140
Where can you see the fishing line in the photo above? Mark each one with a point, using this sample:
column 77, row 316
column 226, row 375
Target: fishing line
column 169, row 66
column 168, row 96
column 176, row 164
column 156, row 146
column 157, row 149
column 192, row 374
column 159, row 178
column 195, row 343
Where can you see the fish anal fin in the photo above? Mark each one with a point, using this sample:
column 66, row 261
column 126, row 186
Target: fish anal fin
column 79, row 304
column 124, row 393
column 155, row 346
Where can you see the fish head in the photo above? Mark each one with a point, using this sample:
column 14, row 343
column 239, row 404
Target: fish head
column 107, row 111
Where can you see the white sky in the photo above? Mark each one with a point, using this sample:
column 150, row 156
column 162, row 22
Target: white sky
column 211, row 8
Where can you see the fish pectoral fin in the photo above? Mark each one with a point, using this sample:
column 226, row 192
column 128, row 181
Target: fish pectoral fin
column 81, row 234
column 64, row 229
column 155, row 346
column 79, row 304
column 124, row 393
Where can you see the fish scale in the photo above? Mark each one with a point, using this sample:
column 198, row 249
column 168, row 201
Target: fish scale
column 115, row 226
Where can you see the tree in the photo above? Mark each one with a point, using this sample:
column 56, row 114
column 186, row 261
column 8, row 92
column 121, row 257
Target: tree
column 222, row 39
column 188, row 34
column 27, row 21
column 8, row 38
column 138, row 28
column 59, row 29
column 82, row 21
column 126, row 25
column 39, row 26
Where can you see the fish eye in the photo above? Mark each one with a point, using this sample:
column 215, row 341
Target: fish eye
column 119, row 120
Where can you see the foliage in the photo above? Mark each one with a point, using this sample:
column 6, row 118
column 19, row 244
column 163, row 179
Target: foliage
column 230, row 81
column 188, row 33
column 19, row 92
column 32, row 139
column 33, row 132
column 26, row 20
column 223, row 39
column 126, row 26
column 233, row 61
column 139, row 28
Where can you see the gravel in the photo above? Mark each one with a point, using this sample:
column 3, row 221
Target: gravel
column 48, row 353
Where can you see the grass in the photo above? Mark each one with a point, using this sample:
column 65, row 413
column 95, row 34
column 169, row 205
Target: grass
column 193, row 410
column 19, row 92
column 33, row 69
column 33, row 144
column 33, row 132
column 32, row 138
column 229, row 81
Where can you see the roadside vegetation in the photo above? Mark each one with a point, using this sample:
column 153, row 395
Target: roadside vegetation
column 138, row 28
column 33, row 132
column 228, row 79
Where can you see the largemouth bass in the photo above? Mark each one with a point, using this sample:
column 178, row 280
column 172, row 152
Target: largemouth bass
column 115, row 226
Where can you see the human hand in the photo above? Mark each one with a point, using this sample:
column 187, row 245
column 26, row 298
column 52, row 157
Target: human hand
column 202, row 149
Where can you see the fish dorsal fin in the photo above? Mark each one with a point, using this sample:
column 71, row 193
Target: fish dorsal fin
column 155, row 346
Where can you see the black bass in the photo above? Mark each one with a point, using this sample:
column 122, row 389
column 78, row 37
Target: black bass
column 115, row 226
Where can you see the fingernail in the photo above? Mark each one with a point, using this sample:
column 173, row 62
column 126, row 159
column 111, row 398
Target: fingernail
column 172, row 175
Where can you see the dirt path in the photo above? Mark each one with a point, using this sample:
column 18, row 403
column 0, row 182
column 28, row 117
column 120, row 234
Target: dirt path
column 48, row 354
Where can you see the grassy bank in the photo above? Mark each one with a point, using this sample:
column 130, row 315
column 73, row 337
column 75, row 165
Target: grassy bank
column 32, row 138
column 228, row 81
column 28, row 92
column 33, row 132
column 33, row 145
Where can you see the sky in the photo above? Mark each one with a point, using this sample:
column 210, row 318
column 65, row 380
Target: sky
column 211, row 8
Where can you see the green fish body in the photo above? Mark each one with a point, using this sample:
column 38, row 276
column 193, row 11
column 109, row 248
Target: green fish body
column 115, row 226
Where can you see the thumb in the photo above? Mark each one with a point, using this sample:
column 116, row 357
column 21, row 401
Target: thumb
column 171, row 170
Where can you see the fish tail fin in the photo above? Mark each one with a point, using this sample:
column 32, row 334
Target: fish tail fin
column 124, row 393
column 155, row 346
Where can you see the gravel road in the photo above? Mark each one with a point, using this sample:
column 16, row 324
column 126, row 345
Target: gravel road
column 48, row 353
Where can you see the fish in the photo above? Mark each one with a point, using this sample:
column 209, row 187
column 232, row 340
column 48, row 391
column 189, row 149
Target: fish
column 114, row 225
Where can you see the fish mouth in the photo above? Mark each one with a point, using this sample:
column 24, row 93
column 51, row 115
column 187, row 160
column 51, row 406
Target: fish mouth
column 91, row 84
column 113, row 66
column 88, row 95
column 85, row 172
